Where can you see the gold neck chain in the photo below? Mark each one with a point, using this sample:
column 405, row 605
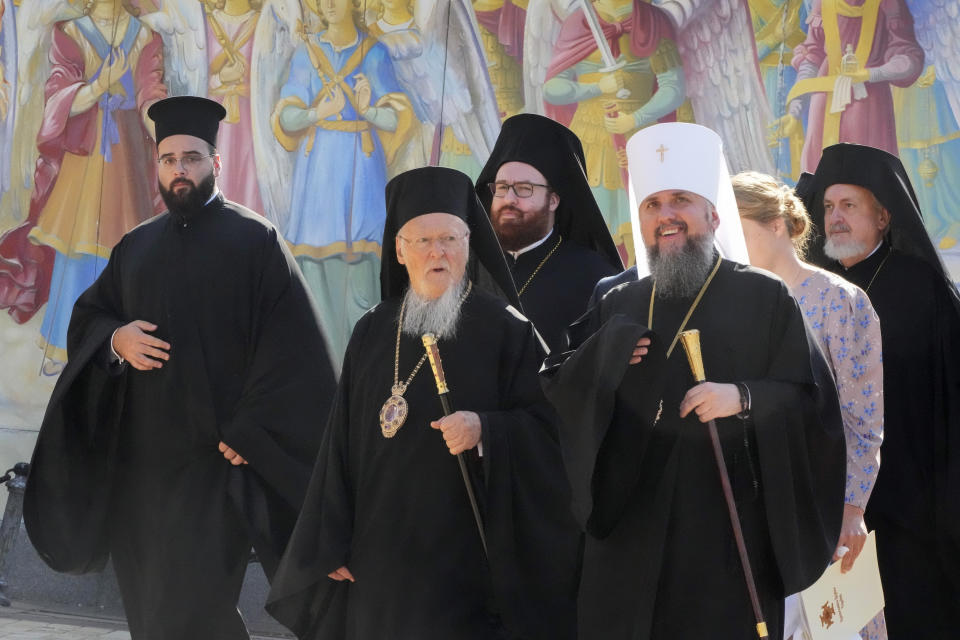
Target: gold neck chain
column 399, row 389
column 693, row 306
column 539, row 266
column 877, row 272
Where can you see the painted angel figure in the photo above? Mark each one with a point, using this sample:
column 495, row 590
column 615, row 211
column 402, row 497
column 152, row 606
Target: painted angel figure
column 439, row 62
column 854, row 51
column 208, row 47
column 688, row 60
column 31, row 67
column 330, row 126
column 95, row 177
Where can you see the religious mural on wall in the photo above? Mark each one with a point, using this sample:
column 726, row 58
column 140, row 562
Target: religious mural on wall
column 328, row 99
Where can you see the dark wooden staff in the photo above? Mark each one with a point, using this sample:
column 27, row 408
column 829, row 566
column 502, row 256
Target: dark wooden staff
column 433, row 353
column 691, row 344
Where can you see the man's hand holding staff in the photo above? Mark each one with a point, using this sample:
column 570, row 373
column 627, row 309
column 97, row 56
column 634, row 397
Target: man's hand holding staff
column 691, row 344
column 462, row 431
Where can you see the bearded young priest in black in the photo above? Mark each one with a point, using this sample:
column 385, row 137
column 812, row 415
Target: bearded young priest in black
column 387, row 545
column 660, row 560
column 183, row 429
column 535, row 188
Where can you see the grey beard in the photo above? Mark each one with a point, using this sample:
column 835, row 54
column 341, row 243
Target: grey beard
column 681, row 274
column 843, row 251
column 438, row 316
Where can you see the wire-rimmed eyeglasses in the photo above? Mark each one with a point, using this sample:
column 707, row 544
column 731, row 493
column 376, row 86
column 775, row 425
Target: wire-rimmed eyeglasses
column 447, row 242
column 188, row 161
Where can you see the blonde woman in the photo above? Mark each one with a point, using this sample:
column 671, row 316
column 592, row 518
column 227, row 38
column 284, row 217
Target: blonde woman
column 839, row 314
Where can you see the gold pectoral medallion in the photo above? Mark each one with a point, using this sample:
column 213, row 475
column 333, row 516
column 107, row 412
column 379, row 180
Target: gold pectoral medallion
column 394, row 412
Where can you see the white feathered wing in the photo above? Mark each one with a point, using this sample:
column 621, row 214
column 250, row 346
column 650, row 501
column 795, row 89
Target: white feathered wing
column 274, row 42
column 717, row 46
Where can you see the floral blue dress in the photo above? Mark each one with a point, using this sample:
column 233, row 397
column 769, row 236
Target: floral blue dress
column 840, row 316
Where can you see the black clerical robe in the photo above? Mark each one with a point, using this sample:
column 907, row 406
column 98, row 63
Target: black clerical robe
column 127, row 462
column 918, row 486
column 558, row 293
column 396, row 513
column 660, row 559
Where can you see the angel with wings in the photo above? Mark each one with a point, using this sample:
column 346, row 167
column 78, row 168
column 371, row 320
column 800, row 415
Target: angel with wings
column 852, row 55
column 688, row 60
column 329, row 118
column 95, row 175
column 439, row 62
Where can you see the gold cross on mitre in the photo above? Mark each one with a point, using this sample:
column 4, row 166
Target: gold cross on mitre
column 662, row 150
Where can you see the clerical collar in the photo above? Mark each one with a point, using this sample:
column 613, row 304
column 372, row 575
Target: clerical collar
column 865, row 259
column 184, row 219
column 865, row 272
column 876, row 248
column 530, row 247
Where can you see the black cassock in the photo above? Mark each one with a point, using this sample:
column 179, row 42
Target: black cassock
column 127, row 462
column 558, row 293
column 915, row 505
column 395, row 511
column 660, row 558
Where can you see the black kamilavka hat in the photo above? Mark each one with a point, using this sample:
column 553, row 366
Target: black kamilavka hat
column 187, row 115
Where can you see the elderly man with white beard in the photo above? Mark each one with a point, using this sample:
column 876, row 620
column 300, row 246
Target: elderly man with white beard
column 660, row 558
column 863, row 203
column 387, row 545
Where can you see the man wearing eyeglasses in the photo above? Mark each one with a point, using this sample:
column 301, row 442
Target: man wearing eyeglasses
column 185, row 425
column 554, row 236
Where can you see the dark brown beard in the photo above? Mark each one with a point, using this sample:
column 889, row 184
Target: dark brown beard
column 191, row 200
column 515, row 236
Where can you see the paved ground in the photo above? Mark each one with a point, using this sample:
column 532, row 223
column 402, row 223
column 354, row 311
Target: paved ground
column 25, row 622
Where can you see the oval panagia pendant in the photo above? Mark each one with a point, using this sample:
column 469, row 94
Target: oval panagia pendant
column 393, row 413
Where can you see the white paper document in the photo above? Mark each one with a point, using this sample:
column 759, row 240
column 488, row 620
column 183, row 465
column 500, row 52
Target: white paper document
column 838, row 605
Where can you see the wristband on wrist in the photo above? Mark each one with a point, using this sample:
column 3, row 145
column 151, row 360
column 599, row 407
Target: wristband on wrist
column 744, row 401
column 112, row 349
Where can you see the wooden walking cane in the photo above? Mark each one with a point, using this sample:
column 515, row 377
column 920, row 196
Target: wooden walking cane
column 433, row 353
column 691, row 344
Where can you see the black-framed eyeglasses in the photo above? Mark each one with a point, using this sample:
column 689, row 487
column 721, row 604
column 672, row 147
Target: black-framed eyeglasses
column 188, row 162
column 521, row 189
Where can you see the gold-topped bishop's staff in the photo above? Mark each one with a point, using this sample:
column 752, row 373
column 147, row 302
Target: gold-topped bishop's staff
column 433, row 353
column 691, row 344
